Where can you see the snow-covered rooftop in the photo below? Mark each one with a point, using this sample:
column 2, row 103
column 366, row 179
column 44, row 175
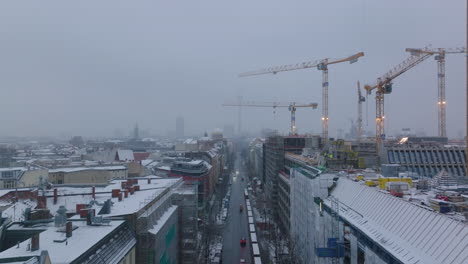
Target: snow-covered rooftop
column 125, row 155
column 409, row 232
column 14, row 169
column 83, row 238
column 190, row 141
column 75, row 169
column 131, row 204
column 149, row 163
column 165, row 168
column 15, row 210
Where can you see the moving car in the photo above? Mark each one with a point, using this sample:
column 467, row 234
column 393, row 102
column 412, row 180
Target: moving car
column 243, row 242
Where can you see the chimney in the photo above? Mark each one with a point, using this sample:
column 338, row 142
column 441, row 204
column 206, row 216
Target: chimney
column 120, row 197
column 35, row 242
column 123, row 184
column 80, row 210
column 41, row 202
column 115, row 193
column 69, row 229
column 149, row 180
column 55, row 196
column 126, row 193
column 89, row 216
column 94, row 192
column 136, row 188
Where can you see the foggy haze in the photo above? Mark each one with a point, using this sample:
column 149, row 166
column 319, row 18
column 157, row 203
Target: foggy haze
column 98, row 67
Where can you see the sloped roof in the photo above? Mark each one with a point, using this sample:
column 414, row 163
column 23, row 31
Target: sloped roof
column 190, row 141
column 82, row 241
column 125, row 155
column 410, row 233
column 138, row 156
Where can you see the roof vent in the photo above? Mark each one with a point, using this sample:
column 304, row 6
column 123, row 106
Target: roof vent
column 61, row 216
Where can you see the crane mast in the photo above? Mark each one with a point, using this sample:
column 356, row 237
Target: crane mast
column 324, row 68
column 321, row 65
column 292, row 107
column 361, row 99
column 384, row 86
column 441, row 101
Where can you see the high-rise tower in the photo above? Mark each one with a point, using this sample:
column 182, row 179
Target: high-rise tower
column 179, row 127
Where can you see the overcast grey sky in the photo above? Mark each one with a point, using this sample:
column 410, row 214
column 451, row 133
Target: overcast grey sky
column 94, row 67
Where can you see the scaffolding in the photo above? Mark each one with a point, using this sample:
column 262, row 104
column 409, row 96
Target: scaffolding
column 186, row 198
column 334, row 249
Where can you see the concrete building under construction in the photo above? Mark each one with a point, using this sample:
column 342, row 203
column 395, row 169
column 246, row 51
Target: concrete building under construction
column 274, row 150
column 426, row 159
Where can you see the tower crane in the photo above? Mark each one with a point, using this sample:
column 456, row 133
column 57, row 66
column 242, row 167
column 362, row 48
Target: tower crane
column 361, row 99
column 441, row 102
column 321, row 65
column 383, row 86
column 291, row 107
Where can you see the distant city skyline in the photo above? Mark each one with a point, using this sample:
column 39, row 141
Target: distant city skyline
column 148, row 62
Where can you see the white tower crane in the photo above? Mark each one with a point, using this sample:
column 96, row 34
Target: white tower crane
column 441, row 102
column 291, row 107
column 321, row 65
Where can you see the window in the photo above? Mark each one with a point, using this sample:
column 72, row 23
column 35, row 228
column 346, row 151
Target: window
column 9, row 184
column 7, row 174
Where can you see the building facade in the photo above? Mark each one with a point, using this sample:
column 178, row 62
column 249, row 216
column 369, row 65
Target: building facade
column 427, row 160
column 274, row 151
column 21, row 177
column 194, row 173
column 87, row 175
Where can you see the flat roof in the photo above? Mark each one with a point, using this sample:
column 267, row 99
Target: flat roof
column 70, row 196
column 13, row 169
column 75, row 169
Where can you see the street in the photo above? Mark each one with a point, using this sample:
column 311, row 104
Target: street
column 236, row 226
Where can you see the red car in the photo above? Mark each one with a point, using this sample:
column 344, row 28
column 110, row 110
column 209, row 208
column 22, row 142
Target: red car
column 243, row 242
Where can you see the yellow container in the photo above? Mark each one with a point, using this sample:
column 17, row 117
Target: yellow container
column 383, row 181
column 360, row 177
column 370, row 183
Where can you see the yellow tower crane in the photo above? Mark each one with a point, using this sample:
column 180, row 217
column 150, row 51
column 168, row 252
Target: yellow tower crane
column 441, row 102
column 291, row 107
column 321, row 65
column 383, row 86
column 361, row 99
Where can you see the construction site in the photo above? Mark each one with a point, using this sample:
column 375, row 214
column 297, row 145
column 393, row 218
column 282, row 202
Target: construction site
column 306, row 132
column 341, row 182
